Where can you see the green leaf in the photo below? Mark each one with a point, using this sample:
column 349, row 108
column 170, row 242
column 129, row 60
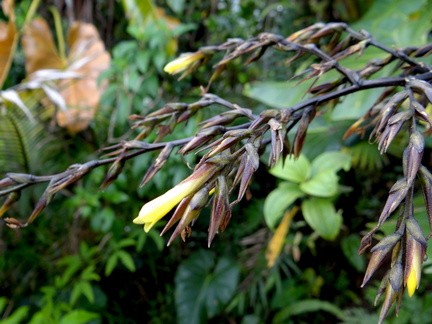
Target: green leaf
column 157, row 239
column 140, row 13
column 355, row 105
column 176, row 5
column 324, row 184
column 151, row 85
column 142, row 60
column 202, row 288
column 294, row 170
column 111, row 264
column 89, row 274
column 125, row 243
column 321, row 216
column 398, row 23
column 78, row 317
column 308, row 306
column 127, row 260
column 82, row 288
column 76, row 292
column 103, row 220
column 17, row 316
column 333, row 160
column 3, row 303
column 279, row 200
column 277, row 94
column 350, row 246
column 87, row 290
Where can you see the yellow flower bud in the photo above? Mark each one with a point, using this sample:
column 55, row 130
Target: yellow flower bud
column 183, row 62
column 154, row 210
column 414, row 274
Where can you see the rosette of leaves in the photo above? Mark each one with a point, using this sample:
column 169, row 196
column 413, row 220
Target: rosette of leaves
column 314, row 185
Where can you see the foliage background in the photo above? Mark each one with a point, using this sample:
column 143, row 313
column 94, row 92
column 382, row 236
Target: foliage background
column 83, row 261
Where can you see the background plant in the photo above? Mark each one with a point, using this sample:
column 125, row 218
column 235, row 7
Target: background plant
column 257, row 285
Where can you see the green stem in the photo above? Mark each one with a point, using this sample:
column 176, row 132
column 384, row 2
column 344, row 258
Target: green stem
column 31, row 11
column 59, row 32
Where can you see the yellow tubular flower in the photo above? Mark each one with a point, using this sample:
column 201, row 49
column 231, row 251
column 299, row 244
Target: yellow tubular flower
column 154, row 210
column 415, row 251
column 183, row 62
column 414, row 274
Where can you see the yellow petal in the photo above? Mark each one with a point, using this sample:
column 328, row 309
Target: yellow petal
column 412, row 282
column 178, row 65
column 154, row 210
column 414, row 275
column 182, row 63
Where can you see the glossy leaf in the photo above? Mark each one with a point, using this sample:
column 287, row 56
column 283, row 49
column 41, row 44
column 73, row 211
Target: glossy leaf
column 277, row 94
column 203, row 286
column 324, row 184
column 398, row 22
column 320, row 214
column 279, row 200
column 294, row 170
column 333, row 160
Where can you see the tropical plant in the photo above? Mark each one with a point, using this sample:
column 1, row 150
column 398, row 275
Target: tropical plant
column 238, row 140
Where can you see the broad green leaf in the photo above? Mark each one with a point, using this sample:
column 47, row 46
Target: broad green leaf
column 321, row 216
column 277, row 94
column 279, row 200
column 355, row 105
column 333, row 160
column 78, row 316
column 294, row 170
column 398, row 22
column 324, row 184
column 203, row 287
column 127, row 260
column 350, row 247
column 308, row 306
